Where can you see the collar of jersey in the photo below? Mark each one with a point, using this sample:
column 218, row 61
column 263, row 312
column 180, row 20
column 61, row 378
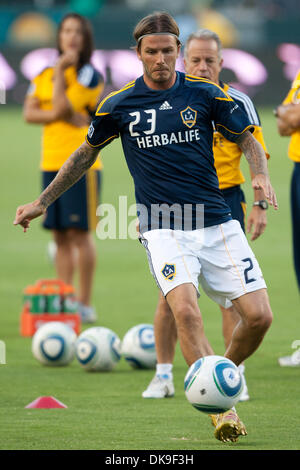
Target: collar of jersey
column 150, row 90
column 223, row 85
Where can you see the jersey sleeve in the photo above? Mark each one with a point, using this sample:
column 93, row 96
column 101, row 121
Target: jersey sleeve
column 92, row 84
column 292, row 96
column 85, row 91
column 228, row 117
column 103, row 128
column 95, row 97
column 289, row 98
column 33, row 89
column 246, row 104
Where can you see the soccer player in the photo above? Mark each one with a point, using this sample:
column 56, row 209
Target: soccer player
column 203, row 58
column 164, row 120
column 288, row 123
column 63, row 98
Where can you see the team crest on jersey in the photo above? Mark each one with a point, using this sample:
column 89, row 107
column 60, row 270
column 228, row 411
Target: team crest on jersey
column 189, row 116
column 169, row 271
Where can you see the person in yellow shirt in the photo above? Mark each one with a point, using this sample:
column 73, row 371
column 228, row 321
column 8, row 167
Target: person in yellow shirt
column 288, row 123
column 63, row 98
column 203, row 58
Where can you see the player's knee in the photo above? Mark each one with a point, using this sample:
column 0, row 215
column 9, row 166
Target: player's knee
column 260, row 319
column 187, row 315
column 268, row 318
column 79, row 237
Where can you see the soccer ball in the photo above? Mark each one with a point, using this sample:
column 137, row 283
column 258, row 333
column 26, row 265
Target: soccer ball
column 138, row 347
column 98, row 349
column 53, row 344
column 213, row 384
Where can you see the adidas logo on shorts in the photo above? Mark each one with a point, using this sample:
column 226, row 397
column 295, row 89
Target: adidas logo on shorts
column 165, row 106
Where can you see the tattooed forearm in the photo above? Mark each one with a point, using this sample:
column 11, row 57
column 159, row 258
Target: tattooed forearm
column 72, row 170
column 254, row 153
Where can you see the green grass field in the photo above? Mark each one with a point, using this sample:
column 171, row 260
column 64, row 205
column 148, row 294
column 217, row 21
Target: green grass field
column 106, row 410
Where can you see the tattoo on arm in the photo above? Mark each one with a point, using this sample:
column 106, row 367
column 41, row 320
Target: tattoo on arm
column 72, row 170
column 254, row 153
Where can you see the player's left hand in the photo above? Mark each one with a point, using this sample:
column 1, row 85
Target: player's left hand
column 257, row 222
column 262, row 181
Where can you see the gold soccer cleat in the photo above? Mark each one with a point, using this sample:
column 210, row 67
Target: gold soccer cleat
column 228, row 426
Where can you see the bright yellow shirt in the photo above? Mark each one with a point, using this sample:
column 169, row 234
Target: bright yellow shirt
column 227, row 154
column 60, row 139
column 294, row 97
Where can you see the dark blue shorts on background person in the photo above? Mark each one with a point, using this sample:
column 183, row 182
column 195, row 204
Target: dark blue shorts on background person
column 295, row 206
column 235, row 199
column 76, row 208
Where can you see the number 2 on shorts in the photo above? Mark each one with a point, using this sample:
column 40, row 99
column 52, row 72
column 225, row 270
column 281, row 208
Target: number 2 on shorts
column 246, row 270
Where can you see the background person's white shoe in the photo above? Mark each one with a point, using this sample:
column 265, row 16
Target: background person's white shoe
column 161, row 386
column 51, row 251
column 290, row 361
column 87, row 313
column 245, row 394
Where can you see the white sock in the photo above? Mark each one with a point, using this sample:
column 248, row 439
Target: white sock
column 164, row 369
column 241, row 368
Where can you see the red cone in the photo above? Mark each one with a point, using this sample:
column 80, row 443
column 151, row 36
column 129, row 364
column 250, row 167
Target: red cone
column 46, row 402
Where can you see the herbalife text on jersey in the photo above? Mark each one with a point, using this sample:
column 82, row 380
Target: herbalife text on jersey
column 158, row 140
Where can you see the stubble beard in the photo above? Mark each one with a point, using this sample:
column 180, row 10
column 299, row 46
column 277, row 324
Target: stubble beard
column 162, row 76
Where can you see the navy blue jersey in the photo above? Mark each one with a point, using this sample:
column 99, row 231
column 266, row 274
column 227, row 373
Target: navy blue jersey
column 167, row 138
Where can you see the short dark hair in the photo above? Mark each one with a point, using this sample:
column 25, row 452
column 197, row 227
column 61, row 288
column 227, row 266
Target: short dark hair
column 88, row 46
column 157, row 22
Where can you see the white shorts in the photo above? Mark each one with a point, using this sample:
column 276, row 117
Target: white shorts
column 217, row 257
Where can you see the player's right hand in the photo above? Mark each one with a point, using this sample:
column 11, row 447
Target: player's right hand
column 28, row 212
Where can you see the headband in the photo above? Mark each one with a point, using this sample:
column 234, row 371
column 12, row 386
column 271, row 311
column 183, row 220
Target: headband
column 157, row 34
